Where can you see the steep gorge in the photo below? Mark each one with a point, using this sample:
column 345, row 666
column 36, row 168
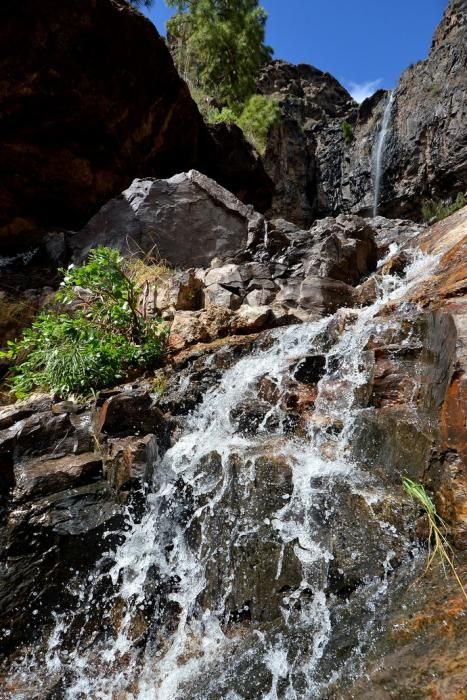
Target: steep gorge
column 233, row 524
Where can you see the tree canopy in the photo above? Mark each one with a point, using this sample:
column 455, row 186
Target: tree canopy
column 220, row 46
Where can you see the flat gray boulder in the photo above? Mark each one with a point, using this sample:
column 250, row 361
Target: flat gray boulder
column 186, row 221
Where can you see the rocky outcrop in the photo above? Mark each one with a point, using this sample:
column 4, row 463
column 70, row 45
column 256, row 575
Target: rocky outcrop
column 426, row 154
column 321, row 167
column 186, row 220
column 83, row 114
column 66, row 470
column 309, row 101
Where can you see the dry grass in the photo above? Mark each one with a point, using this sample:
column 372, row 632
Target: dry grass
column 146, row 271
column 15, row 314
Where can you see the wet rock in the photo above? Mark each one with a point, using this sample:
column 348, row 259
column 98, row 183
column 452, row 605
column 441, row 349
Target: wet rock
column 366, row 293
column 414, row 360
column 130, row 461
column 419, row 652
column 251, row 415
column 396, row 264
column 43, row 544
column 262, row 569
column 46, row 476
column 43, row 432
column 311, row 369
column 153, row 214
column 130, row 413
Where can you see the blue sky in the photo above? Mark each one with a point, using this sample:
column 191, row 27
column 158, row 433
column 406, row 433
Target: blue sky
column 365, row 44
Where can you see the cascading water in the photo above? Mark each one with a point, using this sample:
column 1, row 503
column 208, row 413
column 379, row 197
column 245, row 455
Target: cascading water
column 379, row 152
column 219, row 591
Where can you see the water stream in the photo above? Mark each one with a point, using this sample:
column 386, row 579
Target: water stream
column 379, row 152
column 219, row 591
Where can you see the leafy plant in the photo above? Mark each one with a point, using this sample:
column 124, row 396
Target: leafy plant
column 347, row 132
column 100, row 336
column 437, row 541
column 433, row 211
column 258, row 116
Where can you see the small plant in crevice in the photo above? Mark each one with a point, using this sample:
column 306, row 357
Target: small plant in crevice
column 347, row 132
column 438, row 545
column 97, row 334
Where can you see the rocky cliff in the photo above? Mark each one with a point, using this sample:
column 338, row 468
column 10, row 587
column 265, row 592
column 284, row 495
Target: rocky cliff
column 320, row 170
column 254, row 481
column 90, row 99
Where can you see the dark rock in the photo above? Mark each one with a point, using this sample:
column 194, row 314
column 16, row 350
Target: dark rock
column 231, row 160
column 130, row 413
column 130, row 461
column 154, row 215
column 317, row 172
column 46, row 476
column 83, row 114
column 311, row 369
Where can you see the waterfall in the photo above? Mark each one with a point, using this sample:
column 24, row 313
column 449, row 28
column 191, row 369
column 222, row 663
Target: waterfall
column 178, row 614
column 379, row 152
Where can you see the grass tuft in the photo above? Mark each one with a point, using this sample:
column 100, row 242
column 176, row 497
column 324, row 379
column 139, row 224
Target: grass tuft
column 438, row 544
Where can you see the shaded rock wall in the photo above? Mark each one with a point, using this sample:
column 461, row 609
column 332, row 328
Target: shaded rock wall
column 90, row 99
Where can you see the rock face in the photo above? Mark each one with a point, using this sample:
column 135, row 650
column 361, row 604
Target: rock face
column 371, row 395
column 426, row 155
column 186, row 220
column 65, row 472
column 82, row 114
column 310, row 101
column 318, row 171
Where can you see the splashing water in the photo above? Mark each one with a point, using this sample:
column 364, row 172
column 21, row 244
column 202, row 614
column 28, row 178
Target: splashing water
column 379, row 153
column 195, row 602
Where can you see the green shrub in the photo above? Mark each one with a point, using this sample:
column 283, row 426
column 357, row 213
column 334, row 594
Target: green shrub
column 258, row 116
column 347, row 132
column 433, row 211
column 227, row 115
column 92, row 344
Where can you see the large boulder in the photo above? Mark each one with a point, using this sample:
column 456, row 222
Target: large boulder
column 186, row 220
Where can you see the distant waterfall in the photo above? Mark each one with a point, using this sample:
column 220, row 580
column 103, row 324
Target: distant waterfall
column 379, row 153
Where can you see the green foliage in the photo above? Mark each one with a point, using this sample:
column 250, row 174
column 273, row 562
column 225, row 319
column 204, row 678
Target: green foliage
column 220, row 47
column 226, row 115
column 347, row 132
column 255, row 120
column 433, row 211
column 258, row 116
column 101, row 335
column 437, row 541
